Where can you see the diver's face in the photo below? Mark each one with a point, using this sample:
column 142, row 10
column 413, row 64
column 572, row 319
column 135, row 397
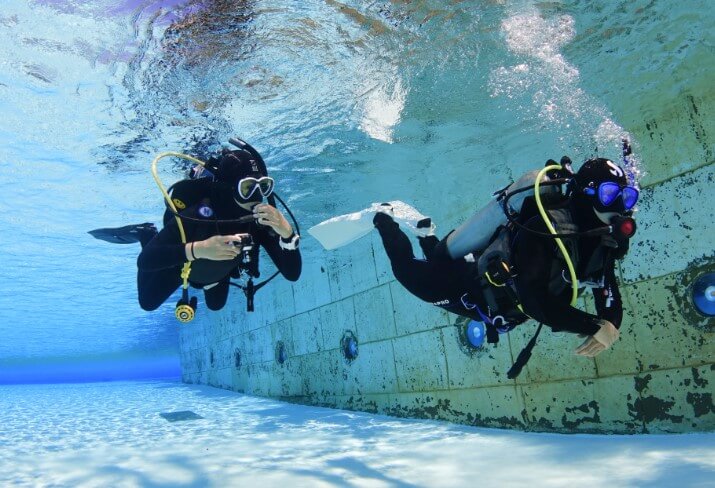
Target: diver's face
column 246, row 205
column 605, row 217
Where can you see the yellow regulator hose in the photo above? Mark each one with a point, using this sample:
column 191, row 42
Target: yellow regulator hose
column 544, row 215
column 187, row 266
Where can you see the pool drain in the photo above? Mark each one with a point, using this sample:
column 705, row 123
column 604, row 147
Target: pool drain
column 180, row 416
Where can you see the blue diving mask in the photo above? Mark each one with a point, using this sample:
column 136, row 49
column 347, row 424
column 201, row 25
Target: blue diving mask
column 609, row 191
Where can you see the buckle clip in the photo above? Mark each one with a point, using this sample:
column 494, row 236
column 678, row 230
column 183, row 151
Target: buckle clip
column 499, row 273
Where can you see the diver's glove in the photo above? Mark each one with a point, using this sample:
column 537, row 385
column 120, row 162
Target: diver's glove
column 600, row 341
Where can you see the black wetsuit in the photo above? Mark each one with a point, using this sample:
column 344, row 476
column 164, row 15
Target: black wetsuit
column 534, row 257
column 445, row 283
column 163, row 255
column 452, row 284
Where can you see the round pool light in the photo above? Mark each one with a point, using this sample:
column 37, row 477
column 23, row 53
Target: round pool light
column 475, row 333
column 281, row 353
column 351, row 348
column 704, row 294
column 349, row 345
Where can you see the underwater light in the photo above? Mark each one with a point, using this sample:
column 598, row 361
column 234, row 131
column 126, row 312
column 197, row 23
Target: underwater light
column 475, row 333
column 351, row 348
column 703, row 291
column 281, row 353
column 349, row 345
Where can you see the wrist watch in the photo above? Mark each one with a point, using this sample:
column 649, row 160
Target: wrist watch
column 289, row 244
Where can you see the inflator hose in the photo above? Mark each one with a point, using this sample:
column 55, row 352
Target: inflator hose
column 559, row 243
column 186, row 270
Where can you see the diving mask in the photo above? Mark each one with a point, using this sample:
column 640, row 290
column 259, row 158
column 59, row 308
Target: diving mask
column 246, row 187
column 609, row 191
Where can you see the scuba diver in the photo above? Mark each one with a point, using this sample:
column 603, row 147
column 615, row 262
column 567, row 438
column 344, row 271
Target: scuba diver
column 527, row 254
column 214, row 224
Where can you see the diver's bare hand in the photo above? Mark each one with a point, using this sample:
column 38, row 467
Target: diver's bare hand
column 269, row 215
column 600, row 341
column 216, row 248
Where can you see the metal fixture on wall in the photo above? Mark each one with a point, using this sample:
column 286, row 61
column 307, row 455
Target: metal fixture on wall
column 281, row 354
column 703, row 294
column 349, row 345
column 475, row 333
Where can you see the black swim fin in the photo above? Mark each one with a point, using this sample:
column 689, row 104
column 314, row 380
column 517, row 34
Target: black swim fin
column 129, row 234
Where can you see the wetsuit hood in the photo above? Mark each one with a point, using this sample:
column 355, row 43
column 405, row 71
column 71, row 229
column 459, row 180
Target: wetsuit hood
column 236, row 165
column 591, row 174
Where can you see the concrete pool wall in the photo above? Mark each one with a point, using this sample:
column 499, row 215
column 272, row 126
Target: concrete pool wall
column 413, row 360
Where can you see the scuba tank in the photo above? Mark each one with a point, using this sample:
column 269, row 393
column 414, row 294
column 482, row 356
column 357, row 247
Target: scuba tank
column 474, row 235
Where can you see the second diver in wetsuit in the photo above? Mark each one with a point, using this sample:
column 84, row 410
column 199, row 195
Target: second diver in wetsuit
column 225, row 221
column 452, row 274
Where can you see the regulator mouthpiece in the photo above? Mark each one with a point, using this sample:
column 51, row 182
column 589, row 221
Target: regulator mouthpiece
column 623, row 227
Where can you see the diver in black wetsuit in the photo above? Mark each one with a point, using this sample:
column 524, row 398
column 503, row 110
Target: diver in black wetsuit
column 224, row 221
column 442, row 282
column 537, row 284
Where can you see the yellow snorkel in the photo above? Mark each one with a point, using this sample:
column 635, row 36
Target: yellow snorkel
column 185, row 309
column 559, row 243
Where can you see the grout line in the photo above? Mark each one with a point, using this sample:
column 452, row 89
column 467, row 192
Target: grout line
column 392, row 340
column 555, row 381
column 685, row 173
column 651, row 278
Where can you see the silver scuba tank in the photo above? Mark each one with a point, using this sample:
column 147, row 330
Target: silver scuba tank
column 474, row 234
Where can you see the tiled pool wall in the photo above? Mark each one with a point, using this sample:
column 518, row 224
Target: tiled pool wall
column 413, row 360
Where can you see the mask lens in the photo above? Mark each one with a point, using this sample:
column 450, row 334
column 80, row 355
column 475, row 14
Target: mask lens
column 608, row 192
column 246, row 187
column 266, row 185
column 630, row 197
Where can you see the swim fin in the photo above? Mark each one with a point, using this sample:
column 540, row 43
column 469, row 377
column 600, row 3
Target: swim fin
column 129, row 234
column 344, row 229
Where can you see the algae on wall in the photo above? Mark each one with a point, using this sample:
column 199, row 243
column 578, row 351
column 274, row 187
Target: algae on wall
column 413, row 359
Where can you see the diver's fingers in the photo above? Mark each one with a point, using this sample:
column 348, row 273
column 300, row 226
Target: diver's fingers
column 589, row 348
column 580, row 349
column 228, row 253
column 264, row 210
column 594, row 350
column 216, row 248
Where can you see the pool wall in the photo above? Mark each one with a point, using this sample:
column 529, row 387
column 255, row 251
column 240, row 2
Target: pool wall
column 413, row 359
